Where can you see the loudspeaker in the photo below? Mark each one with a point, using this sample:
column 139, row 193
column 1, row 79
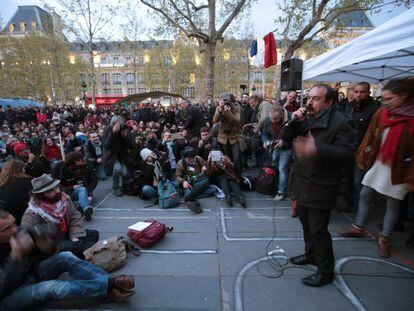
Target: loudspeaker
column 291, row 74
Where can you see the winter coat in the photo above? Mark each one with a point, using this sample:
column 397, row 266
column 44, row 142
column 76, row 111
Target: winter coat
column 229, row 129
column 402, row 171
column 14, row 197
column 193, row 120
column 183, row 173
column 69, row 178
column 315, row 181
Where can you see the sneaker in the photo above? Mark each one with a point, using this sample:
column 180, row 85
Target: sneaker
column 88, row 213
column 117, row 295
column 118, row 192
column 194, row 207
column 279, row 197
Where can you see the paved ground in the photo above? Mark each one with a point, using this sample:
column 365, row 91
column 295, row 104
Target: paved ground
column 215, row 260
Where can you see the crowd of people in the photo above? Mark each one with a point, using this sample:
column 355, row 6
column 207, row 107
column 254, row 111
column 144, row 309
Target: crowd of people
column 56, row 156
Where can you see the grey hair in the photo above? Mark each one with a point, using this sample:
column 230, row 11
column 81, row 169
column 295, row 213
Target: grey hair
column 117, row 118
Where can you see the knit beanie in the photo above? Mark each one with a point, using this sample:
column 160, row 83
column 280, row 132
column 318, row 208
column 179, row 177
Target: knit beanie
column 145, row 153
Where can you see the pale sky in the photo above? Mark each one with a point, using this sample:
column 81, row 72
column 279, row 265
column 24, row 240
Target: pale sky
column 263, row 13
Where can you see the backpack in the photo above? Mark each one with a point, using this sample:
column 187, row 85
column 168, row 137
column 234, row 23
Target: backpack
column 150, row 235
column 110, row 254
column 246, row 183
column 266, row 181
column 168, row 196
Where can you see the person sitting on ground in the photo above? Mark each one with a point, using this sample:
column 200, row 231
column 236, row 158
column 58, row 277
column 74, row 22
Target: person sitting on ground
column 29, row 280
column 206, row 143
column 191, row 174
column 34, row 166
column 223, row 174
column 171, row 149
column 50, row 150
column 50, row 205
column 93, row 151
column 13, row 180
column 151, row 174
column 78, row 181
column 72, row 143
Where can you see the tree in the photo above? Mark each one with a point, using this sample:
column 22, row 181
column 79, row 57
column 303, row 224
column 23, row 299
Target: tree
column 86, row 20
column 198, row 20
column 304, row 20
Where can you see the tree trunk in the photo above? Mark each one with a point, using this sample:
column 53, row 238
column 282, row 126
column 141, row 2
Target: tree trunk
column 210, row 58
column 92, row 77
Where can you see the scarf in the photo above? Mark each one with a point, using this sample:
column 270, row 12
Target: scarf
column 388, row 151
column 52, row 212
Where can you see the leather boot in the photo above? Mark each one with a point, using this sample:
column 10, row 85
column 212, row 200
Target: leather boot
column 294, row 209
column 352, row 232
column 384, row 246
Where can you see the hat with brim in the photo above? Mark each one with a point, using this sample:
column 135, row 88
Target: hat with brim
column 44, row 183
column 188, row 152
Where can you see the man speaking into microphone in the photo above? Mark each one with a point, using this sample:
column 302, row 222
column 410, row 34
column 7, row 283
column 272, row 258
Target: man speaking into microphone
column 323, row 139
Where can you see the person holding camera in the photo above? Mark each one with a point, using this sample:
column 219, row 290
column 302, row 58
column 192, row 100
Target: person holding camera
column 222, row 173
column 93, row 151
column 117, row 142
column 30, row 270
column 228, row 114
column 191, row 174
column 50, row 205
column 280, row 152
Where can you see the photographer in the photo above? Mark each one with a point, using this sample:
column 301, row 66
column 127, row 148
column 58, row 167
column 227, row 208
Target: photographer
column 228, row 113
column 222, row 173
column 30, row 269
column 170, row 148
column 191, row 174
column 280, row 152
column 118, row 141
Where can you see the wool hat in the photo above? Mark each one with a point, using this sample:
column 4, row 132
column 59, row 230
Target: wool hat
column 44, row 183
column 188, row 151
column 20, row 147
column 227, row 97
column 145, row 153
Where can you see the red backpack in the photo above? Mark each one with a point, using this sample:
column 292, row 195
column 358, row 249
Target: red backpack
column 150, row 235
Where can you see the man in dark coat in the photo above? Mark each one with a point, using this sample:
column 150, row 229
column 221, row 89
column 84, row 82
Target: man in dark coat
column 322, row 141
column 118, row 141
column 193, row 119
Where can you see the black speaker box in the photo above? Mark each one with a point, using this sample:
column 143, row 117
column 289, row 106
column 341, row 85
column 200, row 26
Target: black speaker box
column 291, row 74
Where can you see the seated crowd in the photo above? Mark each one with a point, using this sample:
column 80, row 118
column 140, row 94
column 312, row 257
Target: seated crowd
column 56, row 156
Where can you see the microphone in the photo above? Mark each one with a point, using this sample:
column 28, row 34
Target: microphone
column 294, row 118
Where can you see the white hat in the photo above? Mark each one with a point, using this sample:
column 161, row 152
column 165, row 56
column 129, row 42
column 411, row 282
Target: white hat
column 145, row 153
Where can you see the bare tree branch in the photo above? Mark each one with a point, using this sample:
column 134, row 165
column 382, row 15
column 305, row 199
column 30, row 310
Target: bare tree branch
column 229, row 19
column 197, row 8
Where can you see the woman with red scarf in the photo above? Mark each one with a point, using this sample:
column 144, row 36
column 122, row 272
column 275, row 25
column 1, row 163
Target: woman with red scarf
column 387, row 152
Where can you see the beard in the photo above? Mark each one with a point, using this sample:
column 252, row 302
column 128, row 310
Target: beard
column 56, row 198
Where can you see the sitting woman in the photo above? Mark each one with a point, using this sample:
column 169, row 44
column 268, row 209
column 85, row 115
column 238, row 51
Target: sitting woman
column 49, row 205
column 15, row 187
column 223, row 174
column 50, row 150
column 79, row 181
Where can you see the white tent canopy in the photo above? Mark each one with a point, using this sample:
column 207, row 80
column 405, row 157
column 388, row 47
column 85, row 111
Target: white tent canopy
column 384, row 53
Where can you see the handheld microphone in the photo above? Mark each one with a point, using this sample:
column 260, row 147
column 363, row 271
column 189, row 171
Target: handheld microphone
column 294, row 118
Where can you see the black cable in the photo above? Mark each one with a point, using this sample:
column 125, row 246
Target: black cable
column 280, row 265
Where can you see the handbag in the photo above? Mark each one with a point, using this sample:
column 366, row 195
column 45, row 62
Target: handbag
column 150, row 235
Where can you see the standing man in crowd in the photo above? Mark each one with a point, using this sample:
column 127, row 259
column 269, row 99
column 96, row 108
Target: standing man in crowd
column 193, row 119
column 322, row 141
column 93, row 151
column 291, row 103
column 228, row 113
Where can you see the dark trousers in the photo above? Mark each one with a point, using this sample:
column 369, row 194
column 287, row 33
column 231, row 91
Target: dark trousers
column 77, row 248
column 233, row 151
column 318, row 240
column 229, row 186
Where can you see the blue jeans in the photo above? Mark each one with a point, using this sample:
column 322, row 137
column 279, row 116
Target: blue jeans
column 206, row 193
column 80, row 196
column 100, row 171
column 281, row 160
column 86, row 281
column 149, row 192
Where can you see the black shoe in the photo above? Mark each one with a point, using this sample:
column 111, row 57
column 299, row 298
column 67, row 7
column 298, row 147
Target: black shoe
column 88, row 213
column 229, row 201
column 302, row 260
column 119, row 192
column 318, row 280
column 242, row 202
column 194, row 207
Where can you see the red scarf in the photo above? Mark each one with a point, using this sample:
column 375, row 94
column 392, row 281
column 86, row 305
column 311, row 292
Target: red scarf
column 388, row 151
column 57, row 211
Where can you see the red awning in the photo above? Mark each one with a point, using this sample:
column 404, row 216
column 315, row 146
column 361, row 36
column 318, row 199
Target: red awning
column 103, row 99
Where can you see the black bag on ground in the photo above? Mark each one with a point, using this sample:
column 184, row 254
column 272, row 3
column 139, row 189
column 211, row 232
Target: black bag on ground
column 266, row 181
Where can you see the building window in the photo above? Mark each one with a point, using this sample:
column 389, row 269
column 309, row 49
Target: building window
column 116, row 60
column 189, row 92
column 192, row 78
column 11, row 27
column 23, row 26
column 130, row 91
column 105, row 79
column 103, row 60
column 106, row 91
column 34, row 25
column 117, row 91
column 142, row 90
column 140, row 77
column 257, row 76
column 116, row 78
column 130, row 78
